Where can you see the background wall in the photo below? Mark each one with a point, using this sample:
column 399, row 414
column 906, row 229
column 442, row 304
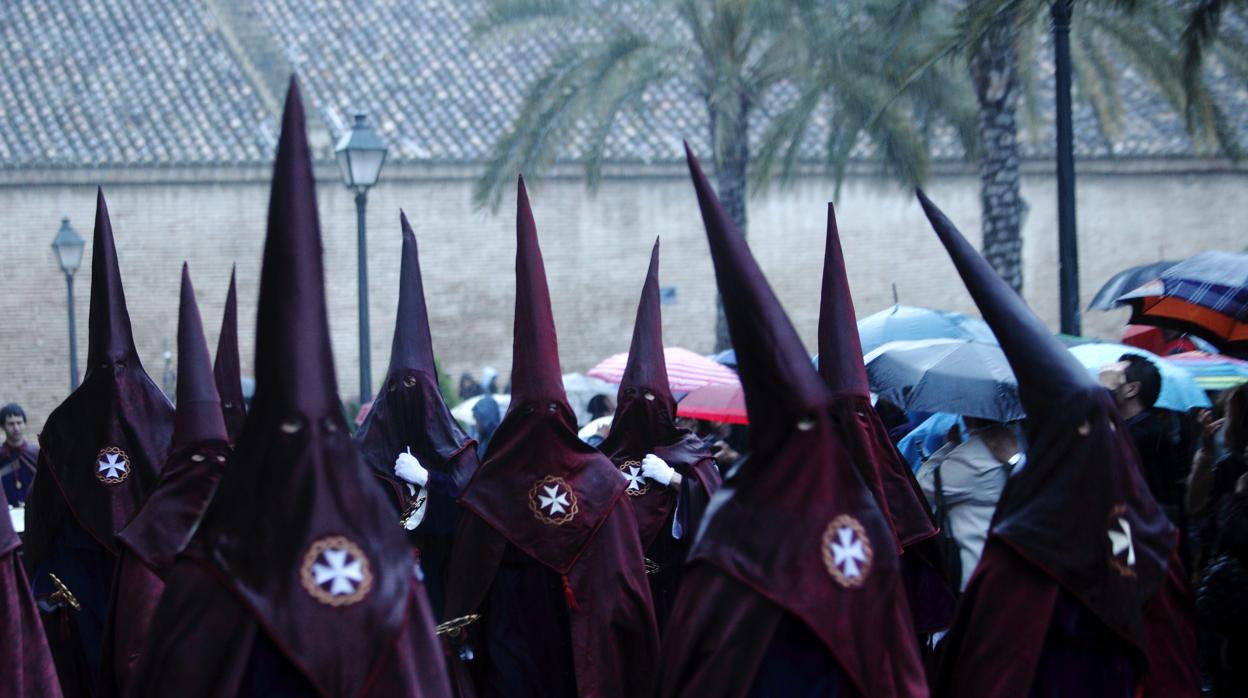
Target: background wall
column 596, row 249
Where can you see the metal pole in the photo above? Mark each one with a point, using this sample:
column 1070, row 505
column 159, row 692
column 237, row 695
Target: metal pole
column 366, row 389
column 1067, row 245
column 73, row 335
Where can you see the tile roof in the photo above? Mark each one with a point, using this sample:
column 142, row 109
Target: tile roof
column 153, row 82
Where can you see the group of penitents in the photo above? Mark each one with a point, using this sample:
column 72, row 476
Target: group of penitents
column 201, row 552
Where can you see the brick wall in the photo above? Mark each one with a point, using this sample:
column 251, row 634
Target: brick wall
column 596, row 249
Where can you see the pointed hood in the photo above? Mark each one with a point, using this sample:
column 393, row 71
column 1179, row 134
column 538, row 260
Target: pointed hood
column 198, row 415
column 841, row 366
column 797, row 499
column 109, row 339
column 409, row 411
column 535, row 373
column 645, row 416
column 535, row 450
column 227, row 367
column 296, row 495
column 1081, row 479
column 117, row 419
column 840, row 351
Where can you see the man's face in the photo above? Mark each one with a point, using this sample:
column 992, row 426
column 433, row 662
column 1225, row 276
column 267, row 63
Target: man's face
column 1114, row 378
column 14, row 428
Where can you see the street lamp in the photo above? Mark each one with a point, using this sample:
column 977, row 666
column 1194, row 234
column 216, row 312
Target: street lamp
column 68, row 246
column 1067, row 241
column 361, row 154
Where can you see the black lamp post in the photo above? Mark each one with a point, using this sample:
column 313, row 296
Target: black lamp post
column 361, row 153
column 1067, row 241
column 68, row 246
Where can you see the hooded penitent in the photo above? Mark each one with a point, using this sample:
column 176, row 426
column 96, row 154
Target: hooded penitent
column 226, row 369
column 165, row 524
column 28, row 667
column 101, row 452
column 880, row 465
column 410, row 415
column 548, row 553
column 644, row 423
column 793, row 585
column 1079, row 555
column 298, row 581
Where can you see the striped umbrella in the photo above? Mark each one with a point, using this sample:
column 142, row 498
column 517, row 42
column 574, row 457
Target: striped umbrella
column 686, row 370
column 1206, row 295
column 716, row 403
column 1213, row 372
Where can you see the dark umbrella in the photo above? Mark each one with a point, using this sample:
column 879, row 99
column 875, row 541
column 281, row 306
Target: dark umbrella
column 1205, row 295
column 1127, row 280
column 946, row 375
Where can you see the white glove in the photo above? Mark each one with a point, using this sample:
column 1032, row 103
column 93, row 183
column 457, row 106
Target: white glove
column 408, row 468
column 657, row 469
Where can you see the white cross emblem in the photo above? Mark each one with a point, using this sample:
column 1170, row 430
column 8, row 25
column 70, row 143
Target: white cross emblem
column 1120, row 541
column 552, row 501
column 112, row 466
column 633, row 474
column 847, row 551
column 336, row 572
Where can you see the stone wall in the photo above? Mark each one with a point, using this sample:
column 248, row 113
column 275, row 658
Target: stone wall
column 596, row 248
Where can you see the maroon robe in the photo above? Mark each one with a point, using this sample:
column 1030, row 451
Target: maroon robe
column 794, row 585
column 645, row 423
column 227, row 369
column 545, row 511
column 164, row 526
column 1078, row 547
column 27, row 664
column 297, row 581
column 17, row 469
column 101, row 453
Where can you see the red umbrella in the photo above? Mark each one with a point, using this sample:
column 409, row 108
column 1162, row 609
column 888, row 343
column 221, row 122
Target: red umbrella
column 686, row 370
column 716, row 403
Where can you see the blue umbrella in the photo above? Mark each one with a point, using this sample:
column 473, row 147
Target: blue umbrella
column 946, row 375
column 906, row 322
column 1179, row 390
column 1124, row 281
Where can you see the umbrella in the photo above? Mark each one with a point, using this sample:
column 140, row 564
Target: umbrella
column 580, row 389
column 727, row 357
column 946, row 375
column 717, row 403
column 1179, row 390
column 685, row 370
column 1212, row 372
column 1206, row 295
column 906, row 322
column 1124, row 281
column 463, row 411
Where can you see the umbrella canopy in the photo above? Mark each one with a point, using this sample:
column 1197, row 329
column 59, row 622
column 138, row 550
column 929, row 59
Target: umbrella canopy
column 727, row 357
column 1179, row 390
column 1127, row 280
column 717, row 403
column 906, row 323
column 946, row 375
column 463, row 411
column 1206, row 295
column 1212, row 372
column 686, row 370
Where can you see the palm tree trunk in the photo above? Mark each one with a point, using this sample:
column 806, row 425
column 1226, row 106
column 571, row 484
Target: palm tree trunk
column 730, row 137
column 995, row 76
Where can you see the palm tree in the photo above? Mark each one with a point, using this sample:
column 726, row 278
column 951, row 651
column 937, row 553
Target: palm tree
column 1202, row 40
column 777, row 65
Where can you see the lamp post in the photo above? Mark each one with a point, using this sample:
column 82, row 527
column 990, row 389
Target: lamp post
column 360, row 155
column 1067, row 241
column 68, row 246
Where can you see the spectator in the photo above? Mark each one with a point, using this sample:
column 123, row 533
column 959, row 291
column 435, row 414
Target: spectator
column 17, row 457
column 468, row 386
column 1222, row 598
column 963, row 481
column 1165, row 453
column 1213, row 478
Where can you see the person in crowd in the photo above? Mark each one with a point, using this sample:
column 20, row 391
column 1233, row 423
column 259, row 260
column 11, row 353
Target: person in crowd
column 1165, row 454
column 489, row 381
column 670, row 472
column 1222, row 597
column 298, row 582
column 169, row 518
column 963, row 481
column 547, row 576
column 18, row 457
column 926, row 439
column 486, row 415
column 600, row 409
column 468, row 386
column 101, row 453
column 24, row 655
column 796, row 569
column 1079, row 590
column 1215, row 471
column 409, row 438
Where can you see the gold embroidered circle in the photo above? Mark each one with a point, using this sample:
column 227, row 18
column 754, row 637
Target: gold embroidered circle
column 112, row 466
column 847, row 551
column 336, row 572
column 552, row 501
column 637, row 485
